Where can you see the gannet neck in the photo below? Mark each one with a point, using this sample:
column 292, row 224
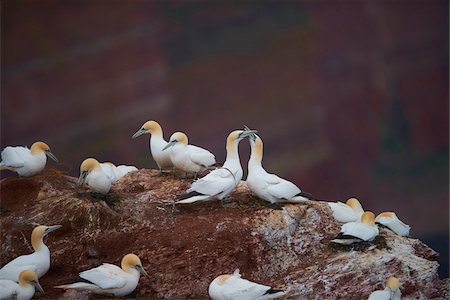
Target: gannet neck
column 232, row 145
column 256, row 155
column 39, row 147
column 386, row 214
column 153, row 128
column 37, row 237
column 368, row 218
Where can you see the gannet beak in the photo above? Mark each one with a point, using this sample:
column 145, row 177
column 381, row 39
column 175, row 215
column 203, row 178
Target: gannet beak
column 51, row 155
column 170, row 144
column 139, row 133
column 38, row 287
column 52, row 228
column 247, row 132
column 82, row 178
column 142, row 271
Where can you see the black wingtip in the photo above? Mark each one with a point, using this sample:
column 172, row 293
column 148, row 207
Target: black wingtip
column 189, row 195
column 273, row 291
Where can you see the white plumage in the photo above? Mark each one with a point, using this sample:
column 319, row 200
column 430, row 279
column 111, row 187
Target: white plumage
column 391, row 221
column 233, row 287
column 351, row 211
column 24, row 290
column 391, row 292
column 115, row 173
column 354, row 232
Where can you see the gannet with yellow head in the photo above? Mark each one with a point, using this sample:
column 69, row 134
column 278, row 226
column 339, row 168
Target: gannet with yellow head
column 24, row 161
column 233, row 287
column 111, row 280
column 356, row 232
column 24, row 290
column 188, row 158
column 351, row 211
column 391, row 292
column 221, row 182
column 92, row 174
column 270, row 187
column 157, row 144
column 38, row 261
column 391, row 221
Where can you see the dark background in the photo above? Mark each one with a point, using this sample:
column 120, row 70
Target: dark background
column 350, row 97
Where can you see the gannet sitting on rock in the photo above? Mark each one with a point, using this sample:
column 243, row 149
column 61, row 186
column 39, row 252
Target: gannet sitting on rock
column 92, row 174
column 38, row 261
column 351, row 211
column 391, row 292
column 220, row 182
column 24, row 161
column 114, row 172
column 188, row 158
column 356, row 232
column 391, row 221
column 233, row 287
column 24, row 290
column 270, row 187
column 111, row 280
column 157, row 144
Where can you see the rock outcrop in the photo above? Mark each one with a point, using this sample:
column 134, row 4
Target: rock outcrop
column 184, row 247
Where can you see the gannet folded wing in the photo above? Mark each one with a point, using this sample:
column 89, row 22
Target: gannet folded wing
column 106, row 276
column 11, row 157
column 281, row 188
column 214, row 183
column 123, row 170
column 239, row 288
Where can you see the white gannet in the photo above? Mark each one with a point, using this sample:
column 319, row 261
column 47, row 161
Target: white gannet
column 24, row 161
column 38, row 261
column 220, row 182
column 188, row 158
column 24, row 290
column 233, row 287
column 93, row 175
column 114, row 172
column 111, row 280
column 266, row 186
column 391, row 292
column 355, row 232
column 391, row 221
column 351, row 211
column 157, row 144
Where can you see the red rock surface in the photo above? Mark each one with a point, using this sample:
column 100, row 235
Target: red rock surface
column 184, row 247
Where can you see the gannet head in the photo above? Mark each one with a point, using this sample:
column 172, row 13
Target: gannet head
column 30, row 277
column 393, row 284
column 368, row 218
column 39, row 232
column 151, row 127
column 235, row 137
column 87, row 166
column 177, row 137
column 132, row 261
column 222, row 278
column 41, row 147
column 355, row 204
column 386, row 214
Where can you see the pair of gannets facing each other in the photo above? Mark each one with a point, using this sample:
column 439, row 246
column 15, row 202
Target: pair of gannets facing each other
column 109, row 279
column 220, row 182
column 355, row 232
column 270, row 187
column 101, row 176
column 391, row 292
column 157, row 144
column 24, row 290
column 188, row 158
column 233, row 287
column 351, row 211
column 391, row 221
column 38, row 261
column 24, row 161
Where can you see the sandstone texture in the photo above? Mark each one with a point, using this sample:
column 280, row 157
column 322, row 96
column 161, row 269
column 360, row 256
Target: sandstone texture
column 184, row 247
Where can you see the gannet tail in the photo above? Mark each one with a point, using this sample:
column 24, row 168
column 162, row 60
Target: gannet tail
column 273, row 294
column 303, row 197
column 194, row 199
column 78, row 286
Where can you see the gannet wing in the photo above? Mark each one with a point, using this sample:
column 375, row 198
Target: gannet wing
column 123, row 170
column 342, row 212
column 238, row 288
column 359, row 230
column 106, row 276
column 201, row 156
column 214, row 183
column 281, row 188
column 7, row 289
column 395, row 224
column 11, row 157
column 109, row 170
column 380, row 295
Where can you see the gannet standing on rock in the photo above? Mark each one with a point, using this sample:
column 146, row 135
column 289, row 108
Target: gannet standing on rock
column 93, row 175
column 38, row 261
column 220, row 182
column 391, row 221
column 188, row 158
column 233, row 287
column 24, row 290
column 111, row 280
column 351, row 211
column 391, row 292
column 24, row 161
column 270, row 187
column 356, row 232
column 157, row 144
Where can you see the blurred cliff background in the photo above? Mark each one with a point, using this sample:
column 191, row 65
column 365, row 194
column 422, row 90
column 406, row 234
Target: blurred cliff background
column 350, row 98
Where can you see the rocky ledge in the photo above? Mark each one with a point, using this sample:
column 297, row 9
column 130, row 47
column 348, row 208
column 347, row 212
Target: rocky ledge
column 184, row 247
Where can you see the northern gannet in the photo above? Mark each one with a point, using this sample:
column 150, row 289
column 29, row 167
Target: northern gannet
column 24, row 161
column 356, row 232
column 270, row 187
column 38, row 261
column 220, row 182
column 351, row 211
column 233, row 287
column 157, row 143
column 391, row 292
column 111, row 280
column 92, row 174
column 114, row 172
column 24, row 290
column 391, row 221
column 188, row 158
